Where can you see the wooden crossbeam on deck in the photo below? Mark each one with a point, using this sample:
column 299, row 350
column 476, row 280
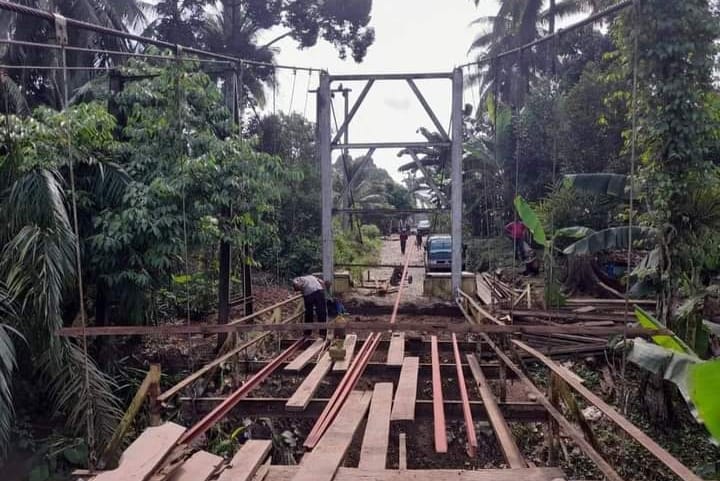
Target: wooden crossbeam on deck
column 406, row 394
column 302, row 395
column 286, row 473
column 373, row 453
column 322, row 463
column 306, row 356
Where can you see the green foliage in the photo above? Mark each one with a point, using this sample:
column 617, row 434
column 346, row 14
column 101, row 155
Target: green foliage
column 349, row 249
column 671, row 342
column 704, row 387
column 612, row 185
column 531, row 221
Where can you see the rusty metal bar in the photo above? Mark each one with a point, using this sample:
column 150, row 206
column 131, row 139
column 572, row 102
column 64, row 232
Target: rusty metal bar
column 220, row 411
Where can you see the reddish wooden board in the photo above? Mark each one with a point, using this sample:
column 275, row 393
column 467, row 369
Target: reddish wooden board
column 322, row 463
column 247, row 461
column 406, row 394
column 144, row 454
column 302, row 395
column 373, row 453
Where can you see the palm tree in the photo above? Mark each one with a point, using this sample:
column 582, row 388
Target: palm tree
column 44, row 87
column 37, row 258
column 519, row 22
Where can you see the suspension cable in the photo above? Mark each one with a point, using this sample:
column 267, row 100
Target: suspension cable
column 633, row 155
column 292, row 92
column 61, row 34
column 71, row 22
column 307, row 93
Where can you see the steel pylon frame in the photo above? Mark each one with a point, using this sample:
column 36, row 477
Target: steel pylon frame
column 326, row 143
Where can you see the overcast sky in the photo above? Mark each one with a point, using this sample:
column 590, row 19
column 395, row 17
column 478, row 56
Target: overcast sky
column 410, row 36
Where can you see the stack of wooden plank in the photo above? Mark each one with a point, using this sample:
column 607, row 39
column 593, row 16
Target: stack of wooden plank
column 490, row 289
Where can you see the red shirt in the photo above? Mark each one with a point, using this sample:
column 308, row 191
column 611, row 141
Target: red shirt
column 516, row 230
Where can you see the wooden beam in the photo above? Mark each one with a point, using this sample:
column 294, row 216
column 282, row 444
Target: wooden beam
column 406, row 394
column 373, row 453
column 286, row 473
column 566, row 425
column 322, row 463
column 440, row 435
column 302, row 395
column 439, row 327
column 164, row 397
column 349, row 346
column 110, row 456
column 467, row 413
column 510, row 450
column 198, row 468
column 143, row 456
column 246, row 461
column 655, row 449
column 306, row 356
column 396, row 351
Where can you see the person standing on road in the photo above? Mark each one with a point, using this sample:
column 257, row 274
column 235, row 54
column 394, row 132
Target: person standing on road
column 403, row 240
column 313, row 291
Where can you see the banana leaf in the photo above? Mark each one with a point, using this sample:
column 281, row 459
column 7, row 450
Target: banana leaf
column 577, row 232
column 612, row 185
column 704, row 380
column 672, row 343
column 531, row 221
column 614, row 238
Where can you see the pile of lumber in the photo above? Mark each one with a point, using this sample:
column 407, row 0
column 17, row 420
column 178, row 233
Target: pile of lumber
column 490, row 289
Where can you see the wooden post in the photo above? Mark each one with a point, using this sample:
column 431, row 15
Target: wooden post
column 111, row 454
column 153, row 393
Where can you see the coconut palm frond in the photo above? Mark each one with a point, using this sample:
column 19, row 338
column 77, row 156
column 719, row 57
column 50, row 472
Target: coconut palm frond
column 64, row 374
column 7, row 367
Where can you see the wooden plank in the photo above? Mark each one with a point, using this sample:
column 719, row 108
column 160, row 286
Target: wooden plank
column 144, row 454
column 302, row 395
column 306, row 356
column 198, row 468
column 246, row 461
column 396, row 350
column 482, row 290
column 373, row 453
column 658, row 451
column 472, row 442
column 286, row 473
column 438, row 407
column 322, row 463
column 510, row 450
column 567, row 426
column 402, row 451
column 404, row 405
column 349, row 345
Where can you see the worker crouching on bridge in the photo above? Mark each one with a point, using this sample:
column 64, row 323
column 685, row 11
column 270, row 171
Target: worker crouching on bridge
column 313, row 291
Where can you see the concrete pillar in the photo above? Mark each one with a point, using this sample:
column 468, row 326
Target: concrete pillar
column 456, row 152
column 324, row 153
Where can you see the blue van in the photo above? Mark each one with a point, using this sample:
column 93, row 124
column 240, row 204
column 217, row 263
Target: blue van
column 438, row 253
